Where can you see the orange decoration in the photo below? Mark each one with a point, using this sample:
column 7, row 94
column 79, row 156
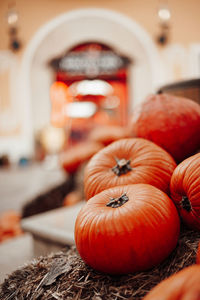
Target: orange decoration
column 9, row 225
column 128, row 161
column 127, row 229
column 72, row 198
column 73, row 157
column 108, row 134
column 185, row 190
column 183, row 285
column 171, row 122
column 60, row 96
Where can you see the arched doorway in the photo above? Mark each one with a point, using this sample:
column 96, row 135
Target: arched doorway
column 76, row 27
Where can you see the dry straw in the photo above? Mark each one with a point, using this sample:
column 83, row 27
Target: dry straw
column 65, row 276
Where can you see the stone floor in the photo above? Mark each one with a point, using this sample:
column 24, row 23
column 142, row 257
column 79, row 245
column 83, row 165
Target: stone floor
column 15, row 253
column 17, row 186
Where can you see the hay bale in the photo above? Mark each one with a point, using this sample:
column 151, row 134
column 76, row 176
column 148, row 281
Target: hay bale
column 48, row 200
column 65, row 276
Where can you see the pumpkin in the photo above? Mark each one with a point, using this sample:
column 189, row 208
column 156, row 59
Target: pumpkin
column 72, row 198
column 9, row 225
column 127, row 229
column 128, row 161
column 184, row 285
column 185, row 190
column 73, row 157
column 171, row 122
column 108, row 134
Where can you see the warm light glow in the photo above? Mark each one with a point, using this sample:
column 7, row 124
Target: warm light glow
column 164, row 14
column 59, row 92
column 60, row 95
column 12, row 17
column 84, row 109
column 111, row 102
column 91, row 87
column 53, row 139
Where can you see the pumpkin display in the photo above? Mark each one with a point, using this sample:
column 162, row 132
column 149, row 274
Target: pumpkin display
column 169, row 121
column 73, row 157
column 185, row 190
column 184, row 285
column 108, row 134
column 128, row 161
column 127, row 229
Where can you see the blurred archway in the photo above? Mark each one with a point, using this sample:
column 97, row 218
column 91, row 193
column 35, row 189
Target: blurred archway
column 76, row 27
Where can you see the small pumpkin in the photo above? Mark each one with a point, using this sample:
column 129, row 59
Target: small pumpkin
column 184, row 285
column 127, row 229
column 72, row 198
column 169, row 121
column 10, row 225
column 73, row 157
column 108, row 134
column 185, row 190
column 128, row 161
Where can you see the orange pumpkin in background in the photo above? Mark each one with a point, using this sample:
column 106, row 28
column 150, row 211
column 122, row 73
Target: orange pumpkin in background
column 127, row 229
column 10, row 225
column 108, row 134
column 72, row 198
column 128, row 161
column 185, row 190
column 72, row 158
column 184, row 285
column 171, row 122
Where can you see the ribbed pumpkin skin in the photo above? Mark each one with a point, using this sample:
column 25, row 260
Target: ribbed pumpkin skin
column 185, row 181
column 184, row 285
column 171, row 122
column 150, row 164
column 133, row 237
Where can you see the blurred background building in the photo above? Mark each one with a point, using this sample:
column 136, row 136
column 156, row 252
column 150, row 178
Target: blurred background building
column 134, row 47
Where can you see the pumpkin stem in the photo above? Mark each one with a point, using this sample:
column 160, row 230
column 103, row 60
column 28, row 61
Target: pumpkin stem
column 122, row 166
column 117, row 202
column 185, row 204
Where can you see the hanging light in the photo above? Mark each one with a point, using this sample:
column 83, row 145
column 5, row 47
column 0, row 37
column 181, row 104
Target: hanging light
column 83, row 110
column 164, row 16
column 12, row 18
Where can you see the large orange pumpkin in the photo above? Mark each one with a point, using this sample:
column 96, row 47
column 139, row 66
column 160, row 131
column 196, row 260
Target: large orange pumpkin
column 171, row 122
column 127, row 229
column 185, row 190
column 184, row 285
column 128, row 161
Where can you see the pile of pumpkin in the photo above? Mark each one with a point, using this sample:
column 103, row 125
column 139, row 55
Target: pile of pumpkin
column 139, row 190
